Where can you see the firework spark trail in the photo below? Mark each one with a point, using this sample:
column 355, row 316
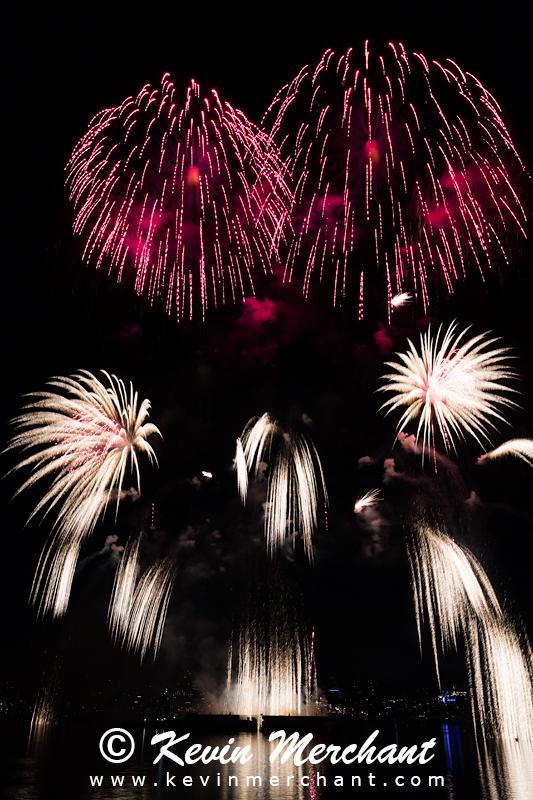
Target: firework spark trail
column 138, row 610
column 271, row 678
column 295, row 478
column 369, row 499
column 293, row 494
column 311, row 661
column 399, row 163
column 521, row 448
column 124, row 591
column 242, row 471
column 190, row 199
column 450, row 384
column 452, row 590
column 84, row 437
column 275, row 674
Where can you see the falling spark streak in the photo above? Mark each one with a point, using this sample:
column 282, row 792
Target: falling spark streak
column 369, row 499
column 124, row 590
column 138, row 609
column 189, row 199
column 522, row 448
column 455, row 385
column 271, row 677
column 242, row 471
column 294, row 482
column 452, row 590
column 275, row 670
column 311, row 660
column 401, row 164
column 84, row 438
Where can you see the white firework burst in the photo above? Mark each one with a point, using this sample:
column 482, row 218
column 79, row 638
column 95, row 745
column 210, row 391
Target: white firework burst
column 83, row 437
column 452, row 385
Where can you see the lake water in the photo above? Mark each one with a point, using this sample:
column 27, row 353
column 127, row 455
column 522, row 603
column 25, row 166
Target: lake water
column 66, row 764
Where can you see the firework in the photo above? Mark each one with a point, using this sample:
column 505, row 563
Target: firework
column 275, row 668
column 138, row 608
column 400, row 163
column 241, row 468
column 369, row 499
column 311, row 660
column 271, row 673
column 450, row 384
column 190, row 200
column 453, row 591
column 83, row 437
column 401, row 299
column 521, row 448
column 124, row 591
column 294, row 482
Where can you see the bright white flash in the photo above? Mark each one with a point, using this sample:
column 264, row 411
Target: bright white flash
column 401, row 299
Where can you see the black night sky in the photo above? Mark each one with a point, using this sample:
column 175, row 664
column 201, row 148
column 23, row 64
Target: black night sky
column 206, row 379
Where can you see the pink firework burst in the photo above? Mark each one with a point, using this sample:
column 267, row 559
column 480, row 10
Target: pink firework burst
column 401, row 164
column 190, row 199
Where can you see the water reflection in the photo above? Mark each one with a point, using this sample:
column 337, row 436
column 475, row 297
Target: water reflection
column 505, row 767
column 496, row 771
column 506, row 770
column 40, row 738
column 454, row 757
column 280, row 781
